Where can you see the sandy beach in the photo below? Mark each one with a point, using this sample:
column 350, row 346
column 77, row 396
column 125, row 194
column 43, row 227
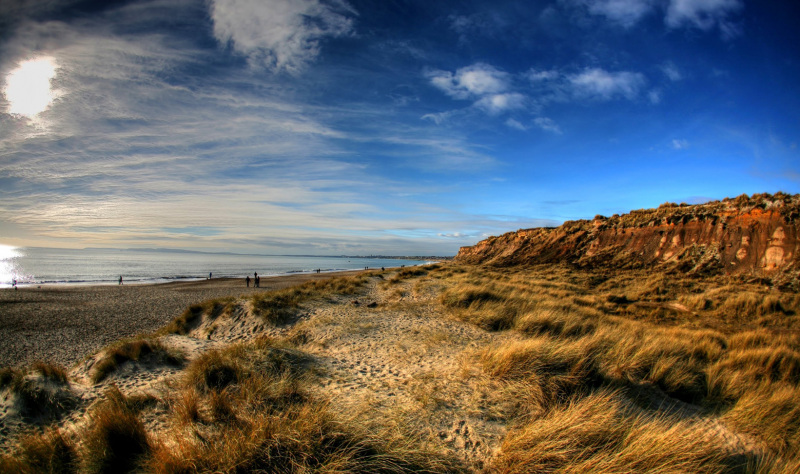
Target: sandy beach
column 64, row 324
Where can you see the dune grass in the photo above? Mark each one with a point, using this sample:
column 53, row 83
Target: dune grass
column 117, row 354
column 244, row 408
column 49, row 451
column 41, row 391
column 610, row 372
column 727, row 347
column 247, row 408
column 277, row 307
column 604, row 433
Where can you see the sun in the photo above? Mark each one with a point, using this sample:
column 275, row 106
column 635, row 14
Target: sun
column 28, row 89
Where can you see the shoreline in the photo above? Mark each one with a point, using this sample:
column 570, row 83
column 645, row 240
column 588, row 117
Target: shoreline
column 187, row 279
column 65, row 323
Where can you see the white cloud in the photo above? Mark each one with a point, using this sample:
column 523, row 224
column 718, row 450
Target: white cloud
column 536, row 76
column 489, row 89
column 498, row 103
column 279, row 34
column 548, row 125
column 471, row 82
column 680, row 144
column 703, row 14
column 603, row 85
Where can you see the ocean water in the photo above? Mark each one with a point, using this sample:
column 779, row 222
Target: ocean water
column 37, row 266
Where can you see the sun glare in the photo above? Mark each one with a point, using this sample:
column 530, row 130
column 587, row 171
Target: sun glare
column 8, row 267
column 28, row 88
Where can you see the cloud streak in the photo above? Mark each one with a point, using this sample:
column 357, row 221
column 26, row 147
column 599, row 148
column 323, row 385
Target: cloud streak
column 701, row 14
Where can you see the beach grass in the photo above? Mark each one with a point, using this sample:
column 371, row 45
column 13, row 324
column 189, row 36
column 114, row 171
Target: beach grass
column 135, row 350
column 598, row 372
column 733, row 360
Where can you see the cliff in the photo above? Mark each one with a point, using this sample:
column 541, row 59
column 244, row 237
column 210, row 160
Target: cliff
column 756, row 235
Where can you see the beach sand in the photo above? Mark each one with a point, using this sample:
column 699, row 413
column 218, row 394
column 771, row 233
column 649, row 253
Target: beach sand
column 64, row 324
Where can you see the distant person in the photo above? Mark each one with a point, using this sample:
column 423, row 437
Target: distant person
column 209, row 275
column 258, row 282
column 247, row 280
column 383, row 269
column 120, row 279
column 14, row 283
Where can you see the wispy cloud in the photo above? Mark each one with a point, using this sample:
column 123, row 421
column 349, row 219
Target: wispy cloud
column 279, row 34
column 472, row 82
column 701, row 14
column 600, row 84
column 496, row 92
column 548, row 125
column 704, row 14
column 680, row 144
column 515, row 124
column 135, row 152
column 623, row 12
column 672, row 71
column 489, row 89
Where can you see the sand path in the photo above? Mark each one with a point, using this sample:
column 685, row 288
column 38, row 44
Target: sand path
column 400, row 360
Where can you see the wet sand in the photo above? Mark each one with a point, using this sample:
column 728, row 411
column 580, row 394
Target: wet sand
column 64, row 324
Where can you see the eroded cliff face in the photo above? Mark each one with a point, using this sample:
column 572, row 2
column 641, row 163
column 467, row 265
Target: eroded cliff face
column 757, row 235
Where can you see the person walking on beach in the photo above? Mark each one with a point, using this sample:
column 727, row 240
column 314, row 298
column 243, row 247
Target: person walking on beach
column 120, row 279
column 247, row 281
column 255, row 279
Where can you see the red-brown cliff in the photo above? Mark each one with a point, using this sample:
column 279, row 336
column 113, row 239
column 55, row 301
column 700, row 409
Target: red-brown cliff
column 755, row 235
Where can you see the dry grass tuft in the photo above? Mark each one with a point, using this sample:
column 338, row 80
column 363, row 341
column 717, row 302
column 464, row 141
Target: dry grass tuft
column 41, row 452
column 245, row 409
column 125, row 351
column 602, row 433
column 116, row 439
column 41, row 391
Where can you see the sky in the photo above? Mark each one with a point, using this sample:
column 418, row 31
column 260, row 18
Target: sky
column 390, row 127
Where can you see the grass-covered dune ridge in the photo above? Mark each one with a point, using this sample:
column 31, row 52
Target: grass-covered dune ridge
column 446, row 368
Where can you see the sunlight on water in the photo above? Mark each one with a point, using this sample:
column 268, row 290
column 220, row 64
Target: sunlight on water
column 8, row 264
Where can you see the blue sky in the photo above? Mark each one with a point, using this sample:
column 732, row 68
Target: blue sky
column 391, row 127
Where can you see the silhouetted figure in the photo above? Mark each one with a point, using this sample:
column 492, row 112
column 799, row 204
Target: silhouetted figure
column 209, row 275
column 120, row 279
column 247, row 280
column 14, row 284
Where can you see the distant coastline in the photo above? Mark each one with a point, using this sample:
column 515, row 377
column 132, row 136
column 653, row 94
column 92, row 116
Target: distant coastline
column 103, row 266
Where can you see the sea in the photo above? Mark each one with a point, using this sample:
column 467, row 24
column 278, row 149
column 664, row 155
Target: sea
column 47, row 266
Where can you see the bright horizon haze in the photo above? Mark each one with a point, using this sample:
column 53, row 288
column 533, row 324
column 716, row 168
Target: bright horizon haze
column 329, row 127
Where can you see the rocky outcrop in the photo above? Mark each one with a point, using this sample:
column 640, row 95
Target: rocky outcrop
column 756, row 235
